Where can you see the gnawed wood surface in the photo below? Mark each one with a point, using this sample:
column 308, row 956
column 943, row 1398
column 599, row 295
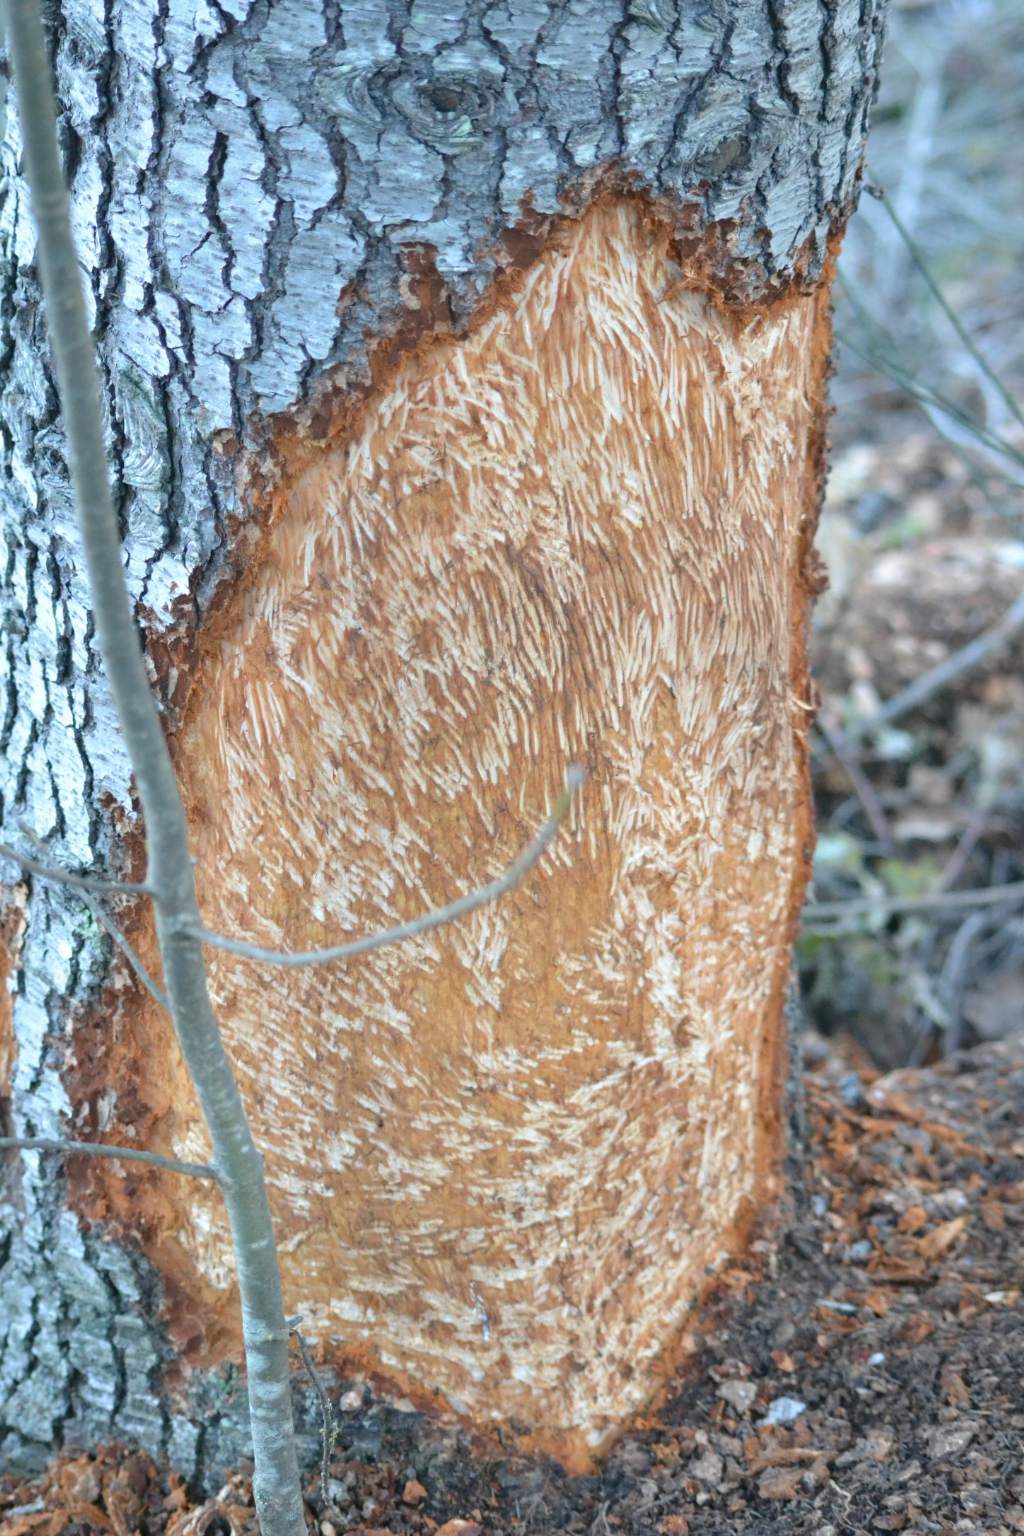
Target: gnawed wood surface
column 12, row 916
column 506, row 1158
column 258, row 191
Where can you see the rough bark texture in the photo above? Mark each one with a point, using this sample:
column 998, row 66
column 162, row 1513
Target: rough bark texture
column 259, row 192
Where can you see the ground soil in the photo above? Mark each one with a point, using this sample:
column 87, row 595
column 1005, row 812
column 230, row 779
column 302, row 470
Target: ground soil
column 861, row 1373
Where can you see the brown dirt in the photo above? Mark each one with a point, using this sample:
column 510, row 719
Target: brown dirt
column 890, row 1309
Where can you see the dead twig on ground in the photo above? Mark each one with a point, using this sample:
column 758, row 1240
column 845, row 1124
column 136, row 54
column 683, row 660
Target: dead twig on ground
column 970, row 656
column 935, row 901
column 330, row 1428
column 842, row 751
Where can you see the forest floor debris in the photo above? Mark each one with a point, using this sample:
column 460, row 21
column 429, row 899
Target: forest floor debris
column 933, row 802
column 864, row 1378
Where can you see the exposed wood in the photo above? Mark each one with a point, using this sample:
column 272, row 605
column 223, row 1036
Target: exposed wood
column 11, row 921
column 264, row 193
column 507, row 1157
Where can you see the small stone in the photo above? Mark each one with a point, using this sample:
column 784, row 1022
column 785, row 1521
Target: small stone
column 413, row 1492
column 739, row 1395
column 852, row 1089
column 784, row 1410
column 674, row 1525
column 876, row 1445
column 459, row 1528
column 351, row 1401
column 708, row 1468
column 340, row 1489
column 950, row 1439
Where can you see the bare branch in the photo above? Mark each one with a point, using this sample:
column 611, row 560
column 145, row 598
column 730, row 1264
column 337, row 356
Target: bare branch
column 918, row 257
column 989, row 643
column 78, row 882
column 130, row 953
column 481, row 897
column 97, row 1149
column 847, row 759
column 936, row 901
column 330, row 1430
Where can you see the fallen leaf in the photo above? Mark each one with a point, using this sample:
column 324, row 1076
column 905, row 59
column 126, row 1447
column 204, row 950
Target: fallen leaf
column 787, row 1456
column 937, row 1242
column 899, row 1271
column 78, row 1515
column 78, row 1481
column 780, row 1483
column 916, row 1329
column 954, row 1388
column 197, row 1521
column 913, row 1219
column 41, row 1522
column 993, row 1216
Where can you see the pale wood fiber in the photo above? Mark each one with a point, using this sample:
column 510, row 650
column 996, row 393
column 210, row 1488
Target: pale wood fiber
column 506, row 1158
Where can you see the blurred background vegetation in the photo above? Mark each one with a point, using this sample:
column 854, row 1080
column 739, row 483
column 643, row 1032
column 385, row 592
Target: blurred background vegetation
column 923, row 534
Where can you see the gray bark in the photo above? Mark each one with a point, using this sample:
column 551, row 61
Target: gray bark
column 247, row 179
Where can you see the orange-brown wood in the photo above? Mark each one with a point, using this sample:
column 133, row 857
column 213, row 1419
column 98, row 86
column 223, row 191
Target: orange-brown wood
column 11, row 924
column 506, row 1158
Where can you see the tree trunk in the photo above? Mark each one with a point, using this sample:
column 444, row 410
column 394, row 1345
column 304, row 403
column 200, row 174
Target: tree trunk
column 466, row 376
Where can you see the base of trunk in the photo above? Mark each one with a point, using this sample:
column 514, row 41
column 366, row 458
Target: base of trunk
column 507, row 1158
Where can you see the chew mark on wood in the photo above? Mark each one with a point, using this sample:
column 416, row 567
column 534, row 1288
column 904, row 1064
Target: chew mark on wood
column 12, row 923
column 506, row 1157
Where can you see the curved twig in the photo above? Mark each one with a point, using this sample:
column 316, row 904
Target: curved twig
column 481, row 897
column 96, row 883
column 937, row 901
column 97, row 1149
